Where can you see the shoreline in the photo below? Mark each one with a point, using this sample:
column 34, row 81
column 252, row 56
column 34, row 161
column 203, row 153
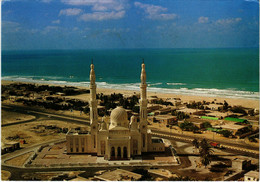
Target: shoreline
column 152, row 87
column 245, row 102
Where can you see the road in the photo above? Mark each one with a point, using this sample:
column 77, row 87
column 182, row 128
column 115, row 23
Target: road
column 229, row 147
column 37, row 114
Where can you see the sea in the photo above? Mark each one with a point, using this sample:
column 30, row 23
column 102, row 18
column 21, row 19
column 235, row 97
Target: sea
column 229, row 72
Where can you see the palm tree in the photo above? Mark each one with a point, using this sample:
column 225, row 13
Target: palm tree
column 205, row 152
column 195, row 143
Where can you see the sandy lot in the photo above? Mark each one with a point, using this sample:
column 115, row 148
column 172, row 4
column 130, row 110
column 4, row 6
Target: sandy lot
column 33, row 135
column 12, row 117
column 19, row 160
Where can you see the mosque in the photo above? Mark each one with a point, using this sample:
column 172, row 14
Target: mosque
column 119, row 139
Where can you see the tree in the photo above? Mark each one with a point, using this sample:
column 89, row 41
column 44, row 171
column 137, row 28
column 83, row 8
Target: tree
column 207, row 125
column 188, row 126
column 238, row 109
column 145, row 175
column 136, row 109
column 195, row 143
column 225, row 133
column 225, row 106
column 205, row 152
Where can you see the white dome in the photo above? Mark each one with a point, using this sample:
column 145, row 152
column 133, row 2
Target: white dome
column 118, row 117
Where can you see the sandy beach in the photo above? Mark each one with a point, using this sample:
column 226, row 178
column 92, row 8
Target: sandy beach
column 249, row 103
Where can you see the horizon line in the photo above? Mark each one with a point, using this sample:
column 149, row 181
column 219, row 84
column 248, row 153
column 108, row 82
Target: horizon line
column 126, row 48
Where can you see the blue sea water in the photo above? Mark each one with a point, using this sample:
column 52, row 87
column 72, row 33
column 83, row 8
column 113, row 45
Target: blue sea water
column 230, row 73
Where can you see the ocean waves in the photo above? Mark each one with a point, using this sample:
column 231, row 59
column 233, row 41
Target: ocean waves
column 176, row 83
column 152, row 87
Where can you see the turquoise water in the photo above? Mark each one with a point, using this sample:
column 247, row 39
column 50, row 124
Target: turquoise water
column 206, row 72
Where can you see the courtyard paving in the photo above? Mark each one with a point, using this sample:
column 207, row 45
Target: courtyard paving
column 56, row 154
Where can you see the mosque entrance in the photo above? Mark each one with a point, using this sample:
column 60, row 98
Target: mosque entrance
column 118, row 152
column 112, row 152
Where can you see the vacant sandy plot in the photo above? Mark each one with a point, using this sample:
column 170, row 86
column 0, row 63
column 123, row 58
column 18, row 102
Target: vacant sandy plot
column 12, row 117
column 19, row 160
column 32, row 133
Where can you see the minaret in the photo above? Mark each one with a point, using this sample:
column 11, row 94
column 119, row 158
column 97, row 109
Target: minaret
column 143, row 109
column 93, row 107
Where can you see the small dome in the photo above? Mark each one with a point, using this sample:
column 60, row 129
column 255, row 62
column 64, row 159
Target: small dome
column 103, row 126
column 118, row 117
column 133, row 123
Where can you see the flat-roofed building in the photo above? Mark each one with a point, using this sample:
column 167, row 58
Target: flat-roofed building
column 166, row 119
column 237, row 120
column 214, row 107
column 232, row 127
column 189, row 110
column 118, row 175
column 251, row 176
column 164, row 110
column 241, row 163
column 162, row 174
column 9, row 146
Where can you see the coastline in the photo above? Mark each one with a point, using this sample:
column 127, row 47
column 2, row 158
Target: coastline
column 249, row 103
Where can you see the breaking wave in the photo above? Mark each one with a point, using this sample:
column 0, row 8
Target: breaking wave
column 152, row 87
column 176, row 83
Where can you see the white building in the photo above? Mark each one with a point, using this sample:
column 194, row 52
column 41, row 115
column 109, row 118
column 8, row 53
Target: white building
column 252, row 176
column 120, row 139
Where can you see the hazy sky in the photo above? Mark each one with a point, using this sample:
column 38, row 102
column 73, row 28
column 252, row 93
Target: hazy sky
column 85, row 24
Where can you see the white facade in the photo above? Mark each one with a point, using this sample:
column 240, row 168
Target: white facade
column 120, row 139
column 252, row 176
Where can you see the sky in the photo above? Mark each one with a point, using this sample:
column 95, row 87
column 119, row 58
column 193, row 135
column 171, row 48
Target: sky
column 116, row 24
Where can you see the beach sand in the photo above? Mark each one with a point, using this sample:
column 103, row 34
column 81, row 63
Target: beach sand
column 249, row 103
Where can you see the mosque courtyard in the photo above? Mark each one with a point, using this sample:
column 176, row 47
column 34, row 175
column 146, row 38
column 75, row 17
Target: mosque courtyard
column 56, row 155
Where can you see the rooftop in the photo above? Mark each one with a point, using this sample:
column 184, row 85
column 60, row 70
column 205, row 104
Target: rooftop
column 208, row 117
column 161, row 172
column 119, row 175
column 230, row 126
column 78, row 131
column 235, row 119
column 164, row 116
column 189, row 110
column 254, row 174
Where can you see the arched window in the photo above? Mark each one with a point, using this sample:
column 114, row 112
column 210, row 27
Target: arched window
column 143, row 136
column 125, row 152
column 103, row 147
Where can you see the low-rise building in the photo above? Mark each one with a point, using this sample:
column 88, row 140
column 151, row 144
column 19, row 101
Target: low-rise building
column 232, row 127
column 9, row 147
column 153, row 107
column 164, row 110
column 166, row 119
column 213, row 107
column 251, row 176
column 163, row 174
column 189, row 110
column 118, row 175
column 237, row 120
column 241, row 163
